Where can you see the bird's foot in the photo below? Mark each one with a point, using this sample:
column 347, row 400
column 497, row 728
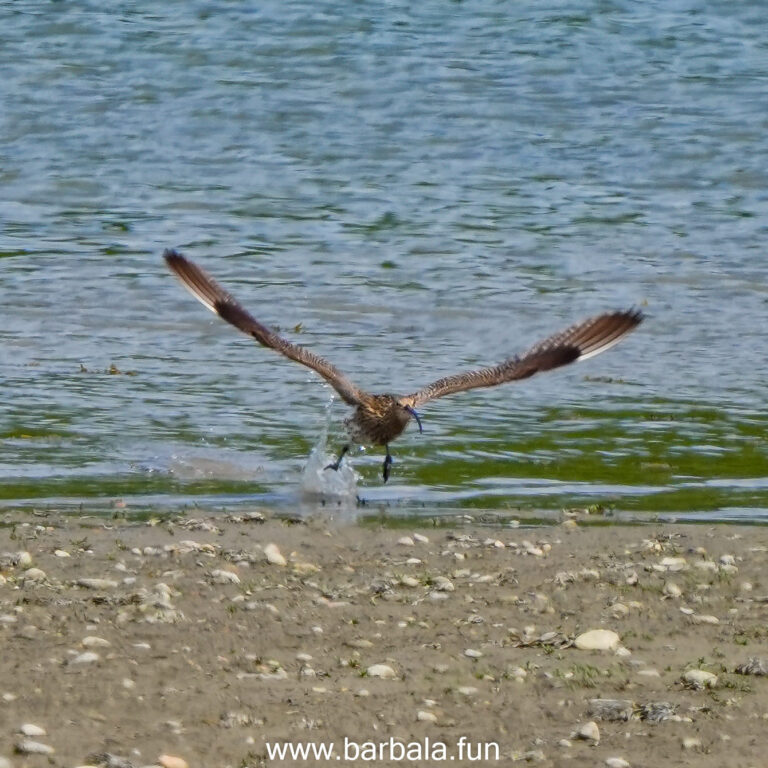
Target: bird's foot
column 336, row 464
column 387, row 465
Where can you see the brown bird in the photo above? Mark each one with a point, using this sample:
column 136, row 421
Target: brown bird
column 379, row 419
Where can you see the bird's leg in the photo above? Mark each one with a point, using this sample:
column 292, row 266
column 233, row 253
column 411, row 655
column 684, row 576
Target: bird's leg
column 387, row 465
column 336, row 464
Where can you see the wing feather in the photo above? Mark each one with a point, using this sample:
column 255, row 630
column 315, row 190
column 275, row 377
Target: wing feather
column 577, row 342
column 212, row 295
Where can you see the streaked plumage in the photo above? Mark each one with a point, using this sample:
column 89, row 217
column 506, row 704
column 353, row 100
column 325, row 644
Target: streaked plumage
column 379, row 419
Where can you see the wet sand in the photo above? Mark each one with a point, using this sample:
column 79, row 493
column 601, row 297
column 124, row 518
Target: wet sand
column 196, row 642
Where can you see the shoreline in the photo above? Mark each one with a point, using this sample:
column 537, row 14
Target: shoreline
column 205, row 639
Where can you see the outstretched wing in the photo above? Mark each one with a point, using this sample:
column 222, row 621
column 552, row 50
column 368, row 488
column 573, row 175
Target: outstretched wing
column 206, row 290
column 578, row 342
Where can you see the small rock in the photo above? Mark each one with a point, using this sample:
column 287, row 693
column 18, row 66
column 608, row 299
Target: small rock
column 443, row 584
column 87, row 657
column 34, row 574
column 673, row 564
column 672, row 590
column 471, row 653
column 384, row 671
column 30, row 729
column 61, row 553
column 597, row 640
column 29, row 747
column 171, row 761
column 95, row 642
column 420, row 538
column 616, row 762
column 699, row 678
column 426, row 717
column 467, row 690
column 221, row 576
column 691, row 742
column 409, row 581
column 405, row 541
column 589, row 732
column 699, row 618
column 273, row 555
column 619, row 611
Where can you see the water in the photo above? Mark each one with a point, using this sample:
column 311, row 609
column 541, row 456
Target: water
column 411, row 190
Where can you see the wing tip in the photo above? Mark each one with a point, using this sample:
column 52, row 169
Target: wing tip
column 173, row 258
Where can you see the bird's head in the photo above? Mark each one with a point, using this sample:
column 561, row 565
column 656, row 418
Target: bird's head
column 407, row 405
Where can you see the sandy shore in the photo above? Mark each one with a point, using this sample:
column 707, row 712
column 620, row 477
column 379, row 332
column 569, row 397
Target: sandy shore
column 196, row 642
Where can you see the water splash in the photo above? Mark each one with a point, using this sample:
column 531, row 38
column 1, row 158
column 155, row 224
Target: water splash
column 319, row 483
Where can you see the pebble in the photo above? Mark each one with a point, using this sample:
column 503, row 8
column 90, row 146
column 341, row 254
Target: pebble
column 29, row 747
column 443, row 584
column 96, row 583
column 426, row 717
column 589, row 732
column 274, row 555
column 409, row 581
column 30, row 729
column 471, row 653
column 34, row 574
column 597, row 640
column 95, row 642
column 673, row 564
column 221, row 576
column 87, row 657
column 384, row 671
column 405, row 541
column 616, row 762
column 650, row 672
column 619, row 611
column 420, row 538
column 61, row 553
column 672, row 590
column 171, row 761
column 467, row 690
column 699, row 618
column 691, row 742
column 699, row 678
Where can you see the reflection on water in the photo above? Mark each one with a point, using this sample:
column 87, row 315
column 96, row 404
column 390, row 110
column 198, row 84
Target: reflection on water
column 411, row 191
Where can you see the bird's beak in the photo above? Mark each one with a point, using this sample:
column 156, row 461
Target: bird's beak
column 415, row 415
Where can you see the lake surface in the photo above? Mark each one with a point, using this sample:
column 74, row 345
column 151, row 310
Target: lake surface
column 411, row 190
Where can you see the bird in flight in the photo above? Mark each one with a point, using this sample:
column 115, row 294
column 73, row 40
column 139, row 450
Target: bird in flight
column 379, row 419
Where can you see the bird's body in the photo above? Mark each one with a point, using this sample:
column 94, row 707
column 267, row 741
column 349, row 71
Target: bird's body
column 379, row 419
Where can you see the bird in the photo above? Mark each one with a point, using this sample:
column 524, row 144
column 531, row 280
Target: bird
column 380, row 418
